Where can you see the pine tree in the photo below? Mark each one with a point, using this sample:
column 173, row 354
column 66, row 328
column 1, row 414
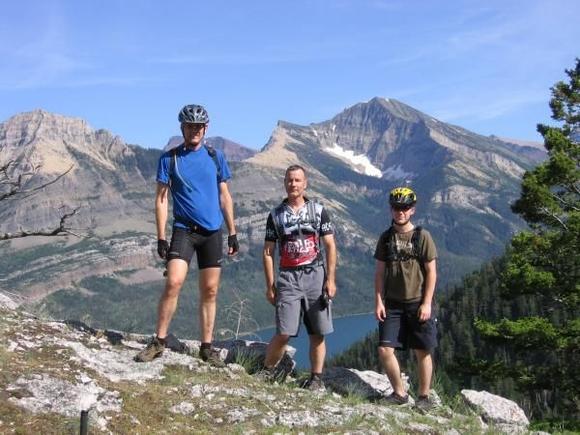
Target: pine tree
column 543, row 264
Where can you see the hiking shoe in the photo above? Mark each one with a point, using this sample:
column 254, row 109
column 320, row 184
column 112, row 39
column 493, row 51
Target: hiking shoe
column 314, row 384
column 153, row 350
column 211, row 356
column 424, row 404
column 267, row 375
column 396, row 399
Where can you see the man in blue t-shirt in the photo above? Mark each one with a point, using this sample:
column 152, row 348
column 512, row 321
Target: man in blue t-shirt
column 196, row 175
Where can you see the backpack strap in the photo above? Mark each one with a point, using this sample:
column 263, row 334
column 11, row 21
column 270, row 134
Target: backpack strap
column 312, row 219
column 278, row 217
column 172, row 165
column 392, row 251
column 415, row 240
column 311, row 212
column 213, row 154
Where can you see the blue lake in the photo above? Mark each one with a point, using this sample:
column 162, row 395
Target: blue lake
column 347, row 330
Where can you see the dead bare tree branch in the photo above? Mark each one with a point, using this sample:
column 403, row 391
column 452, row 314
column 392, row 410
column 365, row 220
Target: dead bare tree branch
column 13, row 181
column 61, row 230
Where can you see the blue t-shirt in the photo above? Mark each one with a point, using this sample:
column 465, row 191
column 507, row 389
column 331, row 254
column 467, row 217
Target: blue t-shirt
column 194, row 185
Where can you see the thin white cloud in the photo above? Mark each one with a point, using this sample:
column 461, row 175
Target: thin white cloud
column 478, row 108
column 318, row 52
column 233, row 59
column 41, row 61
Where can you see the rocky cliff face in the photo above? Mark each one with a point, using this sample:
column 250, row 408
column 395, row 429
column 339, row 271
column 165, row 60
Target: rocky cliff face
column 53, row 370
column 103, row 175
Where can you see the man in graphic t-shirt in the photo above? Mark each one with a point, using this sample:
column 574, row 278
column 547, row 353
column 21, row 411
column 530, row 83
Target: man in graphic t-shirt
column 304, row 287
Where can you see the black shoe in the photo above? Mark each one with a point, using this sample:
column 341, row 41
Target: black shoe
column 211, row 356
column 396, row 399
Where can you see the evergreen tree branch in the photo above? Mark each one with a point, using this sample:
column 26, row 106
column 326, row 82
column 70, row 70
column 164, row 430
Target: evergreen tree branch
column 566, row 204
column 574, row 188
column 548, row 213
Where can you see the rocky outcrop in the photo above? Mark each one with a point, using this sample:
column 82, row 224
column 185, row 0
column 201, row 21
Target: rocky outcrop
column 368, row 384
column 54, row 370
column 497, row 410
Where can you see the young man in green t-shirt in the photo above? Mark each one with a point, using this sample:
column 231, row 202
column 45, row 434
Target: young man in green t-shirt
column 405, row 277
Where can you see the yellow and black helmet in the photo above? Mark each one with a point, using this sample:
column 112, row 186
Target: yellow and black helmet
column 402, row 196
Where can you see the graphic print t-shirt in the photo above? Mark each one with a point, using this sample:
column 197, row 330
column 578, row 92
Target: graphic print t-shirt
column 297, row 233
column 404, row 280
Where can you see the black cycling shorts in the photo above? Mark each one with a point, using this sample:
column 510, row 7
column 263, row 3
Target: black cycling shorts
column 402, row 328
column 207, row 245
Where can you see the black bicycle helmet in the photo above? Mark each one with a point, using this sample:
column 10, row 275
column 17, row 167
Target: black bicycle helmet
column 402, row 197
column 193, row 114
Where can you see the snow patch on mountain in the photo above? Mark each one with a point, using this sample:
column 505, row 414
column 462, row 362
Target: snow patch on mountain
column 361, row 162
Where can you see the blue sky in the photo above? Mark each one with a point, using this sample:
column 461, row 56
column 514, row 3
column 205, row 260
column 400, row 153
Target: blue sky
column 129, row 66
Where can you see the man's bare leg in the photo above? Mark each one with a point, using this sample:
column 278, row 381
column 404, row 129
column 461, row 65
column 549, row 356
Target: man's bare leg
column 209, row 280
column 275, row 350
column 176, row 273
column 317, row 353
column 391, row 367
column 425, row 369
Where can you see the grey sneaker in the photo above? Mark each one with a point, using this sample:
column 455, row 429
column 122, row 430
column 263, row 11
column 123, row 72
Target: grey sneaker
column 424, row 404
column 396, row 399
column 153, row 350
column 211, row 356
column 314, row 384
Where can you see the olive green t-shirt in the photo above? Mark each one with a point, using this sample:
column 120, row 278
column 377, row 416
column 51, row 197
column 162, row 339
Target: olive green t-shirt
column 404, row 280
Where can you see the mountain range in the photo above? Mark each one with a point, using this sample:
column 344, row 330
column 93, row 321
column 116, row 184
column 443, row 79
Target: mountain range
column 465, row 183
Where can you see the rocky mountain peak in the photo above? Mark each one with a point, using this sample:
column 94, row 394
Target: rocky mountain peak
column 388, row 139
column 55, row 142
column 390, row 108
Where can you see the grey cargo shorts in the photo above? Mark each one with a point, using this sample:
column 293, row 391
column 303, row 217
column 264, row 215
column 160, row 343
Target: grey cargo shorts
column 298, row 298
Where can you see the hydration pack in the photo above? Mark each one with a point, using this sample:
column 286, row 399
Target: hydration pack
column 393, row 253
column 311, row 219
column 174, row 169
